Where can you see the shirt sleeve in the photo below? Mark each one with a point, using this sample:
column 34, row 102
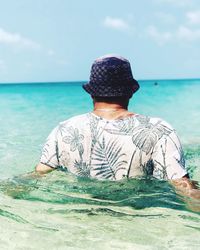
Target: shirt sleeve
column 168, row 158
column 49, row 155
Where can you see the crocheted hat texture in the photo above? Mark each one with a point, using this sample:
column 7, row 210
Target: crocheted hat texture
column 111, row 76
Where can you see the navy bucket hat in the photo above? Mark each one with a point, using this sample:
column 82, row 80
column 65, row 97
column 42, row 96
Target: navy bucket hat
column 111, row 76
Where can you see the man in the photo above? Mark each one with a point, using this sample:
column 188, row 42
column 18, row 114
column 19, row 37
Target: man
column 112, row 143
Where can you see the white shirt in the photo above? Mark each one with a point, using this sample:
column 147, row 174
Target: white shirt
column 135, row 146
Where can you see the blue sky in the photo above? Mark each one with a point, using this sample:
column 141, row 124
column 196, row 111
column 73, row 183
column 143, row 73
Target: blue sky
column 57, row 40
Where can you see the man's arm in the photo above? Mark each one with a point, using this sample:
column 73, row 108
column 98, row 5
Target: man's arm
column 188, row 189
column 49, row 158
column 43, row 169
column 169, row 164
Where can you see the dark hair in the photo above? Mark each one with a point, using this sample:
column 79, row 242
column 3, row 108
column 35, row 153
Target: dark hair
column 122, row 100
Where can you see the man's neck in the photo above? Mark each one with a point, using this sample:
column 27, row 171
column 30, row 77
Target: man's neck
column 110, row 111
column 109, row 106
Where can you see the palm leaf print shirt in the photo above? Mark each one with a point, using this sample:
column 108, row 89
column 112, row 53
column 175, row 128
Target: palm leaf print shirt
column 135, row 146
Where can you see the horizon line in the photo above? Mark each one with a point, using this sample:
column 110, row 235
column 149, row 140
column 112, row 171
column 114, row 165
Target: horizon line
column 80, row 81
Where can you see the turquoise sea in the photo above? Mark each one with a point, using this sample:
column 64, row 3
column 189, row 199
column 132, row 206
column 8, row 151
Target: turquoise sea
column 61, row 211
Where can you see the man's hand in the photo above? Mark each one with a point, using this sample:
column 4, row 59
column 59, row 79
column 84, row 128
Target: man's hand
column 186, row 186
column 43, row 169
column 188, row 189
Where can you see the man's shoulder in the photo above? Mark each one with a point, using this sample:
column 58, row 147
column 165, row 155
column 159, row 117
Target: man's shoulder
column 156, row 121
column 75, row 120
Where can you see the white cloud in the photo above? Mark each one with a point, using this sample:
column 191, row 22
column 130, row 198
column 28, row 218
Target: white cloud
column 187, row 34
column 178, row 3
column 16, row 39
column 159, row 37
column 115, row 23
column 165, row 17
column 183, row 34
column 51, row 52
column 193, row 17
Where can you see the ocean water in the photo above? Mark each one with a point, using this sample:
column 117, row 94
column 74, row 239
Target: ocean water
column 61, row 211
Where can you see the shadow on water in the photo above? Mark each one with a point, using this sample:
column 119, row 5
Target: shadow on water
column 61, row 188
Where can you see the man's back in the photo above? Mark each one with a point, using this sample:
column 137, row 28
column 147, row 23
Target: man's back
column 89, row 145
column 111, row 142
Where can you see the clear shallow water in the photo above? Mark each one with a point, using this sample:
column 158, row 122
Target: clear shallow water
column 60, row 211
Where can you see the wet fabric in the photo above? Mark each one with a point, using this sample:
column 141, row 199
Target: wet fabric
column 90, row 146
